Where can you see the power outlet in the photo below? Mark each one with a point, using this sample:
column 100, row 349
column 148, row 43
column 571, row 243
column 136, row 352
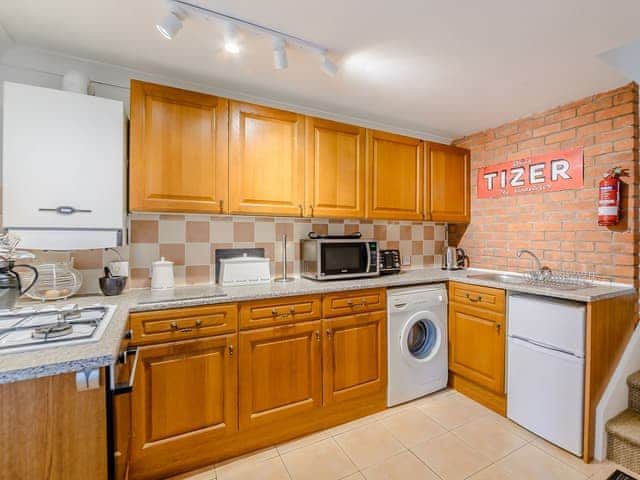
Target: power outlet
column 406, row 260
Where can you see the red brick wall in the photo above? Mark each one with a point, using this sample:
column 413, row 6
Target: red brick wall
column 560, row 226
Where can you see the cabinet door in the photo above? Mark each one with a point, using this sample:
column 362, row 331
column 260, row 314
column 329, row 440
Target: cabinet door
column 266, row 161
column 448, row 188
column 179, row 150
column 395, row 176
column 335, row 169
column 280, row 372
column 354, row 356
column 184, row 399
column 476, row 345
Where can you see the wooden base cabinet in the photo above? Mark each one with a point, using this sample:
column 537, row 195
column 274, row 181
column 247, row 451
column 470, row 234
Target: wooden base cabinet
column 354, row 356
column 280, row 373
column 184, row 399
column 477, row 343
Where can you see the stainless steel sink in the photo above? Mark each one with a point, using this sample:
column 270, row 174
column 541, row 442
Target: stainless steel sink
column 499, row 277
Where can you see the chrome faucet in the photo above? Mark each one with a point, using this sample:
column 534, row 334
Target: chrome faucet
column 533, row 257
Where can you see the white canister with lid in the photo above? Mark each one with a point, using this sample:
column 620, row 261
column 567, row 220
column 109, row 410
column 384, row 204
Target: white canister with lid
column 162, row 274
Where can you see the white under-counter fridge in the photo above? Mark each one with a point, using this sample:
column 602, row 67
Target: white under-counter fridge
column 545, row 389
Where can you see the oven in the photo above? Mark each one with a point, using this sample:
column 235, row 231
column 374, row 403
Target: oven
column 121, row 376
column 337, row 259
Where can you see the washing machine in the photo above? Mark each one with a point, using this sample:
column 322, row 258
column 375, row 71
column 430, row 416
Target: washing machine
column 417, row 336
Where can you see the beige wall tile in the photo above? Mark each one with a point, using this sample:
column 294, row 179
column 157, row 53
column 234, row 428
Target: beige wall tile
column 405, row 232
column 87, row 259
column 266, row 232
column 144, row 231
column 174, row 252
column 197, row 254
column 197, row 232
column 171, row 231
column 221, row 232
column 243, row 232
column 196, row 274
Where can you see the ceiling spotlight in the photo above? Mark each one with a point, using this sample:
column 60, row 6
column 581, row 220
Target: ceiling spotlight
column 231, row 44
column 328, row 66
column 279, row 54
column 172, row 23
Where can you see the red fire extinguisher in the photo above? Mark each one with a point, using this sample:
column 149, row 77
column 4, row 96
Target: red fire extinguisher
column 609, row 198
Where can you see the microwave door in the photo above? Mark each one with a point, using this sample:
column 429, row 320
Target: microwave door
column 344, row 258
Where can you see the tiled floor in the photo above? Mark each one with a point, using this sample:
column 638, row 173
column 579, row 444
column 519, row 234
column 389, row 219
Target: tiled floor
column 444, row 436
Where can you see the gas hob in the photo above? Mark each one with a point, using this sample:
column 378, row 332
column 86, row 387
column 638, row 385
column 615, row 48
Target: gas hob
column 35, row 328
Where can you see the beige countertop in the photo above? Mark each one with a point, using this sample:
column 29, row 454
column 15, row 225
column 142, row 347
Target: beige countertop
column 71, row 358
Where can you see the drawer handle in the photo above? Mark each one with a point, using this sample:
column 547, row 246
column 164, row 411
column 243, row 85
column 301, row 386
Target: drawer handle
column 473, row 299
column 174, row 325
column 350, row 303
column 198, row 323
column 292, row 310
column 274, row 312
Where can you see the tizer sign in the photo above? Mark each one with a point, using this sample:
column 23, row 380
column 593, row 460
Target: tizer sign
column 542, row 173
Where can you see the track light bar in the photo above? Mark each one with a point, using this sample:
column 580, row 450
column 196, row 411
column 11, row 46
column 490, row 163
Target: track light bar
column 170, row 26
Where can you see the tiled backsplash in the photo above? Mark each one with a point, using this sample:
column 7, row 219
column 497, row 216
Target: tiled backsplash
column 190, row 242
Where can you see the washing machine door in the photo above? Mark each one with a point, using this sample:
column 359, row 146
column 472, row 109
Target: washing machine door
column 421, row 337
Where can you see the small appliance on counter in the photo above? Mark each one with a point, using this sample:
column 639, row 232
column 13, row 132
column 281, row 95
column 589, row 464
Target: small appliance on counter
column 244, row 270
column 162, row 274
column 389, row 261
column 454, row 259
column 338, row 257
column 56, row 281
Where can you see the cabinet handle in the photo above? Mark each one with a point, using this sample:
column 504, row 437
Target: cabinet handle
column 498, row 328
column 317, row 335
column 274, row 312
column 292, row 310
column 301, row 210
column 328, row 332
column 198, row 323
column 174, row 325
column 221, row 203
column 311, row 209
column 231, row 350
column 350, row 303
column 473, row 299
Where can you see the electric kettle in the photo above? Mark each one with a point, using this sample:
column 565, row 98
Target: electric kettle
column 454, row 259
column 11, row 285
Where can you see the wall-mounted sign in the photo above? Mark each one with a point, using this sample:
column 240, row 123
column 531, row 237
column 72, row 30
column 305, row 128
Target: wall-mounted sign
column 541, row 173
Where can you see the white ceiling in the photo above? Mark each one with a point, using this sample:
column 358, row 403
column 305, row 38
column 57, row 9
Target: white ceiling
column 444, row 67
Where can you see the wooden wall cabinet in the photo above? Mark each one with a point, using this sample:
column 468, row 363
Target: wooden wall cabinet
column 184, row 399
column 266, row 161
column 448, row 183
column 280, row 373
column 354, row 356
column 477, row 343
column 335, row 169
column 395, row 177
column 178, row 156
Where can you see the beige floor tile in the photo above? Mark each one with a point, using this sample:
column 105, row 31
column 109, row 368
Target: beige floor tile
column 531, row 463
column 345, row 427
column 575, row 462
column 606, row 468
column 400, row 467
column 432, row 397
column 369, row 445
column 270, row 469
column 302, row 441
column 355, row 476
column 206, row 473
column 412, row 426
column 454, row 410
column 493, row 472
column 450, row 457
column 514, row 427
column 323, row 460
column 249, row 458
column 489, row 437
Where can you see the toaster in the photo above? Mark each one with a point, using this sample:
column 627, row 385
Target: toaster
column 389, row 261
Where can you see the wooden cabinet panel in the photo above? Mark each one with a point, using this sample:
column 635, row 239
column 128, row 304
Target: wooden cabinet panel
column 280, row 373
column 179, row 150
column 184, row 398
column 183, row 323
column 492, row 299
column 347, row 303
column 354, row 356
column 477, row 345
column 395, row 177
column 448, row 186
column 279, row 311
column 266, row 154
column 49, row 430
column 335, row 169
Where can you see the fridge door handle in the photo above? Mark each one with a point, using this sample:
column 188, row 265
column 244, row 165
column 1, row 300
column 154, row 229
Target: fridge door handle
column 544, row 345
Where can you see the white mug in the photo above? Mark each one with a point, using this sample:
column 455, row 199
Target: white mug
column 119, row 269
column 162, row 274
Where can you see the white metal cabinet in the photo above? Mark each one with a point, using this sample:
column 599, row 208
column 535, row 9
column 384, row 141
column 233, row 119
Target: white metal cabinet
column 63, row 168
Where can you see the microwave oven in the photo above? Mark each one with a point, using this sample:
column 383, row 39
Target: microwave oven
column 338, row 259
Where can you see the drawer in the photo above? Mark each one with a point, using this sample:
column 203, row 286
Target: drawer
column 474, row 295
column 279, row 311
column 183, row 323
column 347, row 303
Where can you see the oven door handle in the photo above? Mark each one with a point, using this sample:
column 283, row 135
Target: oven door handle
column 127, row 387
